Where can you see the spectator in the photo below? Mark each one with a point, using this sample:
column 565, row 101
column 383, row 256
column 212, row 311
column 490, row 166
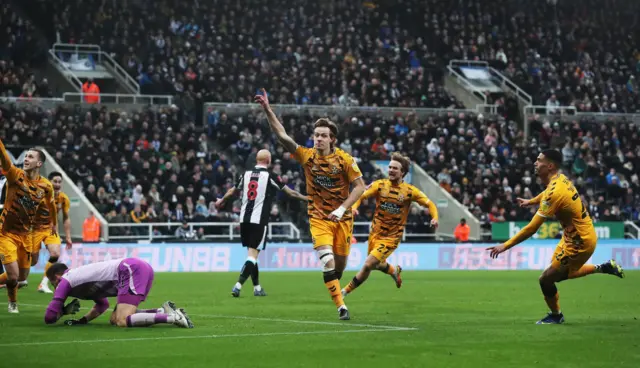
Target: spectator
column 91, row 229
column 461, row 232
column 91, row 92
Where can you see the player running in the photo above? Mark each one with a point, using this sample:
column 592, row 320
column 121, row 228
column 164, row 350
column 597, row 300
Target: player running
column 259, row 188
column 329, row 172
column 51, row 241
column 562, row 200
column 29, row 197
column 129, row 279
column 393, row 201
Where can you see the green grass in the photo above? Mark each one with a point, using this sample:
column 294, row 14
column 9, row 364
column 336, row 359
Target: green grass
column 462, row 319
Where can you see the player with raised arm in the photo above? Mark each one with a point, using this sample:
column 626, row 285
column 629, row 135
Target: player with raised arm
column 393, row 201
column 42, row 235
column 129, row 279
column 561, row 200
column 259, row 187
column 329, row 173
column 29, row 197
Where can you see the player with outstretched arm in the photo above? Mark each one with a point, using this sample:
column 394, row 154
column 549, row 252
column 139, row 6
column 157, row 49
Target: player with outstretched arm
column 561, row 200
column 393, row 200
column 329, row 173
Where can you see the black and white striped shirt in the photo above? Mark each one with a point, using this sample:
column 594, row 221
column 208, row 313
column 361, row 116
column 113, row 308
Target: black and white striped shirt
column 259, row 187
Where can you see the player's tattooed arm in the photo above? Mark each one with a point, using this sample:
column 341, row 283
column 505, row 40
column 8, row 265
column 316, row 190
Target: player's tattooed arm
column 295, row 194
column 524, row 234
column 356, row 192
column 275, row 124
column 230, row 193
column 370, row 191
column 530, row 202
column 53, row 210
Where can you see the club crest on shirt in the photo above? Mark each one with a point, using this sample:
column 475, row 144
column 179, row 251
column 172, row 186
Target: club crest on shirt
column 544, row 206
column 40, row 194
column 335, row 170
column 401, row 197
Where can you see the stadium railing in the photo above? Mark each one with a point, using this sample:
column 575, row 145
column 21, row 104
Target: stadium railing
column 100, row 57
column 119, row 98
column 232, row 231
column 505, row 82
column 232, row 228
column 632, row 231
column 566, row 114
column 44, row 103
column 317, row 111
column 362, row 235
column 65, row 71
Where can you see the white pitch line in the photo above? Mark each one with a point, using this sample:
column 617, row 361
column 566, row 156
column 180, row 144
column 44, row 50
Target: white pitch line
column 295, row 321
column 303, row 322
column 197, row 337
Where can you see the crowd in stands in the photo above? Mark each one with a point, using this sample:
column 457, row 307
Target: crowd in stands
column 562, row 52
column 151, row 166
column 344, row 53
column 322, row 53
column 147, row 166
column 19, row 51
column 484, row 162
column 583, row 53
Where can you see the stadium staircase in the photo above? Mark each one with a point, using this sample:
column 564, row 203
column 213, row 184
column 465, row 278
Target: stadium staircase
column 477, row 83
column 77, row 63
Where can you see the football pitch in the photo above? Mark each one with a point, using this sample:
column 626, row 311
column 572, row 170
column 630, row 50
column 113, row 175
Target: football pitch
column 437, row 319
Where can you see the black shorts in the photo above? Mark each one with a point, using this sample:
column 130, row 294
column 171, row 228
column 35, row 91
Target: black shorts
column 253, row 235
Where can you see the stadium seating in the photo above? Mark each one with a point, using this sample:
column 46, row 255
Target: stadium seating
column 225, row 52
column 583, row 54
column 19, row 51
column 170, row 47
column 493, row 167
column 363, row 53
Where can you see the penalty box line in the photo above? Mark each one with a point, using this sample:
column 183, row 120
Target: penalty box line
column 293, row 321
column 185, row 337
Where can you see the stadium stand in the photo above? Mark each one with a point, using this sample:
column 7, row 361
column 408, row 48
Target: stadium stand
column 217, row 51
column 304, row 53
column 20, row 50
column 582, row 54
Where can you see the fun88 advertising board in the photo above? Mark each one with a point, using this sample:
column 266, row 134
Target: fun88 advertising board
column 224, row 257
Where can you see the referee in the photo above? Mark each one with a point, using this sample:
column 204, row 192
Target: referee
column 259, row 187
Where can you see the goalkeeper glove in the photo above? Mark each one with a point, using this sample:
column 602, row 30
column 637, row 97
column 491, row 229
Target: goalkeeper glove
column 71, row 308
column 75, row 322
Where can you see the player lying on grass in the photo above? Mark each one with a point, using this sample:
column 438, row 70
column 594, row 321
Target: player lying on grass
column 561, row 200
column 129, row 279
column 393, row 201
